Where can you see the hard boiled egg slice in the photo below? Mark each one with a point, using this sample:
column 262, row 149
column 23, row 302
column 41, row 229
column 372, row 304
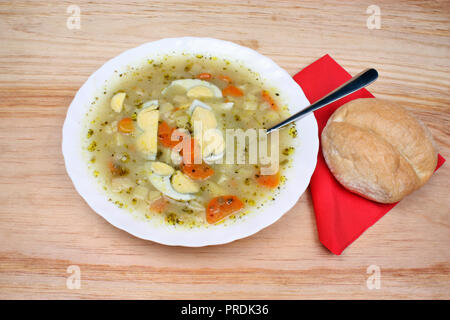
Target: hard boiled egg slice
column 147, row 119
column 197, row 103
column 147, row 142
column 151, row 104
column 161, row 168
column 117, row 101
column 160, row 177
column 200, row 92
column 203, row 114
column 183, row 184
column 196, row 88
column 212, row 142
column 213, row 145
column 147, row 145
column 163, row 184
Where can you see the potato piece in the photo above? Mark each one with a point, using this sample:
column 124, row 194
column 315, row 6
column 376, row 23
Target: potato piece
column 182, row 120
column 180, row 100
column 165, row 154
column 195, row 205
column 117, row 101
column 140, row 192
column 213, row 145
column 244, row 172
column 127, row 107
column 120, row 184
column 165, row 110
column 153, row 195
column 111, row 128
column 214, row 189
column 183, row 184
column 222, row 178
column 272, row 116
column 251, row 103
column 119, row 139
column 196, row 68
column 184, row 106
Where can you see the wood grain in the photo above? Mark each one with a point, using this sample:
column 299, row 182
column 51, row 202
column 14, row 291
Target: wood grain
column 45, row 226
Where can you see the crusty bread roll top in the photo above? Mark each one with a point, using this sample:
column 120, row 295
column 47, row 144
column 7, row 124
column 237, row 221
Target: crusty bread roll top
column 378, row 149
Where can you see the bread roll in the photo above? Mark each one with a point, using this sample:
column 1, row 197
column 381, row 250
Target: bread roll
column 378, row 150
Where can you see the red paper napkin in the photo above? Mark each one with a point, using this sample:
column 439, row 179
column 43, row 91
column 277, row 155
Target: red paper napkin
column 341, row 216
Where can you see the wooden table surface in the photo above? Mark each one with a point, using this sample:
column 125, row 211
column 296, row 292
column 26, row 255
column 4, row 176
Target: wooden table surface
column 45, row 226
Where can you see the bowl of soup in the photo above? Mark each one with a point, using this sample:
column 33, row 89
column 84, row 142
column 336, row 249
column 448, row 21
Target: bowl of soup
column 167, row 141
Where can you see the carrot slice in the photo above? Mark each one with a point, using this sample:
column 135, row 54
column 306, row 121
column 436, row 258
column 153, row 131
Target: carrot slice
column 267, row 98
column 233, row 91
column 221, row 207
column 190, row 150
column 159, row 205
column 227, row 79
column 270, row 181
column 204, row 76
column 179, row 141
column 125, row 125
column 165, row 133
column 197, row 171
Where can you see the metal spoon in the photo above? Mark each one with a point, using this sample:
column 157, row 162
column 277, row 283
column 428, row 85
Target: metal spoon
column 359, row 81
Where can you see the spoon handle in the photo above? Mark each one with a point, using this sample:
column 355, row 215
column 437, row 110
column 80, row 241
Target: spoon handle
column 359, row 81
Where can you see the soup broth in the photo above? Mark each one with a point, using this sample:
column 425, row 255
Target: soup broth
column 142, row 146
